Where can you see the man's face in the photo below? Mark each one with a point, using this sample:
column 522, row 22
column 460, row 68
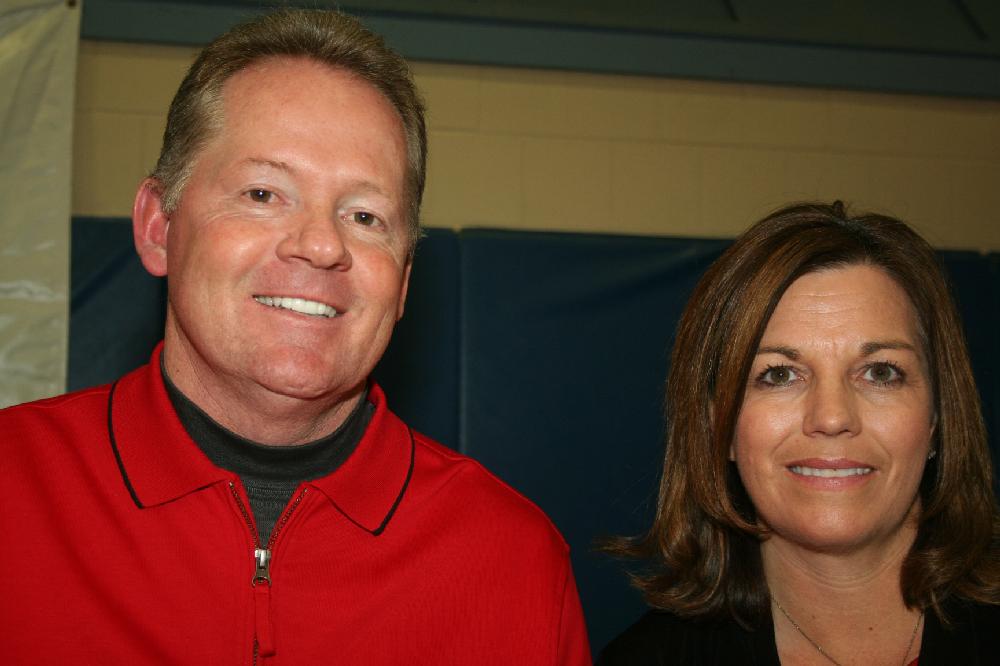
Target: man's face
column 287, row 258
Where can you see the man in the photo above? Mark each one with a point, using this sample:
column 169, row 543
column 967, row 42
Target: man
column 248, row 497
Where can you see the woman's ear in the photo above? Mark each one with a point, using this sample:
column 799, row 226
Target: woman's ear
column 149, row 226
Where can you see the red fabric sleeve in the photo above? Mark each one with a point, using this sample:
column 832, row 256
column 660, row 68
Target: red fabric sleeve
column 574, row 648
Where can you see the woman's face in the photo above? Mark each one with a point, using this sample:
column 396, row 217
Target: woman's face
column 837, row 417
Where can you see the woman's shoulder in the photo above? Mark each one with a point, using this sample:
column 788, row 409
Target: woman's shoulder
column 649, row 640
column 972, row 636
column 660, row 638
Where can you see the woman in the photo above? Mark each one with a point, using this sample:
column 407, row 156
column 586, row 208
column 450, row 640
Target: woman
column 826, row 494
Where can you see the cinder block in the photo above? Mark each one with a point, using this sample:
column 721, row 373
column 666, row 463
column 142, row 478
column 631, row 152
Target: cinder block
column 825, row 177
column 701, row 112
column 569, row 105
column 138, row 78
column 972, row 213
column 656, row 189
column 152, row 140
column 915, row 125
column 107, row 163
column 960, row 129
column 451, row 93
column 739, row 186
column 473, row 179
column 567, row 185
column 914, row 189
column 783, row 117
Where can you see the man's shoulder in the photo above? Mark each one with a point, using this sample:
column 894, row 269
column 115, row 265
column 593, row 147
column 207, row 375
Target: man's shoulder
column 89, row 403
column 466, row 485
column 35, row 434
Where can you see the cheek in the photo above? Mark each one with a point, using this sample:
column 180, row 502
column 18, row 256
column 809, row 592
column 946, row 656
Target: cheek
column 224, row 248
column 381, row 270
column 907, row 440
column 905, row 424
column 751, row 442
column 763, row 424
column 761, row 429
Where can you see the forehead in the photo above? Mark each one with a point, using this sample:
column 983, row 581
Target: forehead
column 291, row 96
column 849, row 303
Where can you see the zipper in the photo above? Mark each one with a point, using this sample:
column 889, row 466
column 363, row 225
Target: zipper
column 263, row 642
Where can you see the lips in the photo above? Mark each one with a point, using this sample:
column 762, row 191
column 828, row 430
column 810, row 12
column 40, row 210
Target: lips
column 295, row 304
column 830, row 469
column 830, row 473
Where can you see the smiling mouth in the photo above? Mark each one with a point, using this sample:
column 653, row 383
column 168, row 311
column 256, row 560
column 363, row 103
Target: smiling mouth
column 824, row 473
column 301, row 305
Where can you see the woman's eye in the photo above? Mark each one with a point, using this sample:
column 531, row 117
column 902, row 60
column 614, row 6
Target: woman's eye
column 258, row 195
column 883, row 373
column 778, row 375
column 364, row 218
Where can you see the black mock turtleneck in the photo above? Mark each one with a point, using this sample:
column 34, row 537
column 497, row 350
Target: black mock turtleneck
column 269, row 473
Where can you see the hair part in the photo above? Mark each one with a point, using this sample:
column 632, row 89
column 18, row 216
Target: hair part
column 327, row 37
column 703, row 549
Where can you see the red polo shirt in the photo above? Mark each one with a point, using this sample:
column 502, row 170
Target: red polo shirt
column 125, row 545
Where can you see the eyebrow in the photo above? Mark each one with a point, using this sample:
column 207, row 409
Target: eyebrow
column 363, row 185
column 870, row 348
column 867, row 349
column 787, row 352
column 280, row 166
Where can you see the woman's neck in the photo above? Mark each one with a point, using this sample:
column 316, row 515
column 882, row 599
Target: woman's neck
column 850, row 604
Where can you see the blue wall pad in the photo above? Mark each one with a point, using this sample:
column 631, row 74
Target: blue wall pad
column 975, row 280
column 117, row 309
column 419, row 370
column 566, row 340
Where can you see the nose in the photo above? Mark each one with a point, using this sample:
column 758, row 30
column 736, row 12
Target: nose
column 318, row 240
column 831, row 410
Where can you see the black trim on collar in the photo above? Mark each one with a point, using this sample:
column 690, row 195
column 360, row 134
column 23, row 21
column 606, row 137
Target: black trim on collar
column 114, row 449
column 402, row 491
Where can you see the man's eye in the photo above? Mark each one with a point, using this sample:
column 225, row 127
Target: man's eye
column 777, row 375
column 364, row 218
column 258, row 195
column 883, row 373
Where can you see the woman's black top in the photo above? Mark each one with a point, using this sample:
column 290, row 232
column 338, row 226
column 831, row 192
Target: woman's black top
column 660, row 638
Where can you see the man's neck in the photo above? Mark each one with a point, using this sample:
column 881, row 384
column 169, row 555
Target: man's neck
column 253, row 411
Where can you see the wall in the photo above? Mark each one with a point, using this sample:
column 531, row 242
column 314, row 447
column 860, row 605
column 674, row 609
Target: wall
column 529, row 149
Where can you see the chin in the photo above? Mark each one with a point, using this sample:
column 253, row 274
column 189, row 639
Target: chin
column 837, row 538
column 305, row 379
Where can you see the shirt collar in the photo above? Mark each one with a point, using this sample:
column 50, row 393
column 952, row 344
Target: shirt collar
column 160, row 463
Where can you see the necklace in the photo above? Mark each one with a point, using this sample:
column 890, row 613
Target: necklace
column 819, row 648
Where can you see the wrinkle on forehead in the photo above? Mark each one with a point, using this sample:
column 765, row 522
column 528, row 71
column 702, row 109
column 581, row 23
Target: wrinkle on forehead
column 858, row 306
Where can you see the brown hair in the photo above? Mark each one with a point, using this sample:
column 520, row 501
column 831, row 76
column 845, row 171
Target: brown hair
column 704, row 545
column 328, row 37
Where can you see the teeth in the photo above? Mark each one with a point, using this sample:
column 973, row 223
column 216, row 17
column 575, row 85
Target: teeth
column 297, row 305
column 830, row 473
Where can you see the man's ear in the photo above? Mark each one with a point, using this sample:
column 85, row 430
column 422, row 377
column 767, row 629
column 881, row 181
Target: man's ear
column 149, row 226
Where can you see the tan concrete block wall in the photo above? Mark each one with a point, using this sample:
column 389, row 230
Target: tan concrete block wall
column 123, row 92
column 565, row 151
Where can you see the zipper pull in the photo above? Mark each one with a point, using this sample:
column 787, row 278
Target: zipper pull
column 262, row 556
column 262, row 602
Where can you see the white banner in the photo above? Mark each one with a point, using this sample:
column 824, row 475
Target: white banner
column 38, row 47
